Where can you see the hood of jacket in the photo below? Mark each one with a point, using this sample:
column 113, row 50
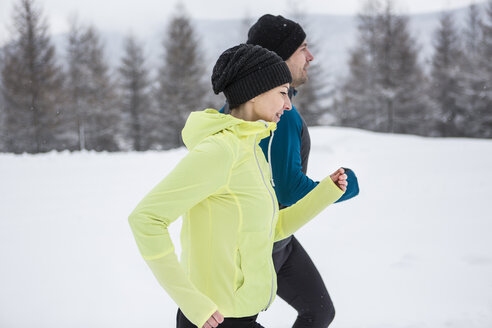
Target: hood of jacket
column 203, row 124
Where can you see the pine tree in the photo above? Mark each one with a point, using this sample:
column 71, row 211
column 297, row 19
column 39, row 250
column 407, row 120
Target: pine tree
column 472, row 82
column 471, row 32
column 92, row 97
column 134, row 85
column 385, row 89
column 445, row 76
column 180, row 82
column 75, row 120
column 3, row 134
column 32, row 83
column 357, row 99
column 485, row 112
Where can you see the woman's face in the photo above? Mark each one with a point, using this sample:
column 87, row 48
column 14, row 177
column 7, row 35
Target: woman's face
column 270, row 105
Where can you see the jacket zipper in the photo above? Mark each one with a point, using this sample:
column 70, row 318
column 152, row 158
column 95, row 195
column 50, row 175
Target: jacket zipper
column 273, row 217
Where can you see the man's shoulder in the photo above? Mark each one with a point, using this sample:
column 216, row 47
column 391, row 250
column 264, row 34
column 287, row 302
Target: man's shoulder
column 293, row 112
column 290, row 118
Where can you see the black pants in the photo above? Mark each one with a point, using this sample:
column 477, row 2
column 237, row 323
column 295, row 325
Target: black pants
column 248, row 322
column 301, row 286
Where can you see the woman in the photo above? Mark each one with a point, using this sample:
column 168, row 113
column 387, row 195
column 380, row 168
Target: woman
column 230, row 212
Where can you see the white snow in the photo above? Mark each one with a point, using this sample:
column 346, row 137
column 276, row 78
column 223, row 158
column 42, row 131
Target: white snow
column 412, row 250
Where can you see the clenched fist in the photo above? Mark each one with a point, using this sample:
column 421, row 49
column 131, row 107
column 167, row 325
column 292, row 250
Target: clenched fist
column 340, row 179
column 215, row 320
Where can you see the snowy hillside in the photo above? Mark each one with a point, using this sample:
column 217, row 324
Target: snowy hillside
column 412, row 250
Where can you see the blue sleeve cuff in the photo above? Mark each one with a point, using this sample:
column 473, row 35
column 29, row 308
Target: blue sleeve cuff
column 352, row 187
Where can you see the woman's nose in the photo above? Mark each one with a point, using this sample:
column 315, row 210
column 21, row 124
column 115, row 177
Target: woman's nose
column 287, row 104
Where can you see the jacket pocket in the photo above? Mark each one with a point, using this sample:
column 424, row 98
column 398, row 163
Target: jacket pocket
column 238, row 275
column 255, row 263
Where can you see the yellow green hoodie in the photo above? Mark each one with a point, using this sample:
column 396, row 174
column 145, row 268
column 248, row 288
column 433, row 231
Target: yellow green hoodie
column 230, row 220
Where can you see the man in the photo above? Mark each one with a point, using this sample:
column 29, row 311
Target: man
column 299, row 282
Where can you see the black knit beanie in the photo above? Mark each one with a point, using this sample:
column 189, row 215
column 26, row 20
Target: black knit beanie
column 278, row 34
column 245, row 71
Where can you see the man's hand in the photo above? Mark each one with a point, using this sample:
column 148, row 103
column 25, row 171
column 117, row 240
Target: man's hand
column 215, row 320
column 340, row 179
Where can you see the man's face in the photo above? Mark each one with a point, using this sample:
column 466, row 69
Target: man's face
column 298, row 64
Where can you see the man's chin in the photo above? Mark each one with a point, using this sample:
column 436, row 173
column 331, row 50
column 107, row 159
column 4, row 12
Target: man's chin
column 301, row 81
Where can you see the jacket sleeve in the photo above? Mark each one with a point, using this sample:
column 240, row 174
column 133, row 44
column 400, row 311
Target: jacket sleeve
column 291, row 184
column 199, row 174
column 295, row 216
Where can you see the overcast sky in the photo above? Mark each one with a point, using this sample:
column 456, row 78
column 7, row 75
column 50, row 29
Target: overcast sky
column 141, row 15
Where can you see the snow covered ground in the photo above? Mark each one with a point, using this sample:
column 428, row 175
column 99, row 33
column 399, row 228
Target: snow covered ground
column 413, row 250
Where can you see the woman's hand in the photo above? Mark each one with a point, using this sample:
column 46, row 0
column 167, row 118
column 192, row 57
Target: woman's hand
column 340, row 179
column 215, row 320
